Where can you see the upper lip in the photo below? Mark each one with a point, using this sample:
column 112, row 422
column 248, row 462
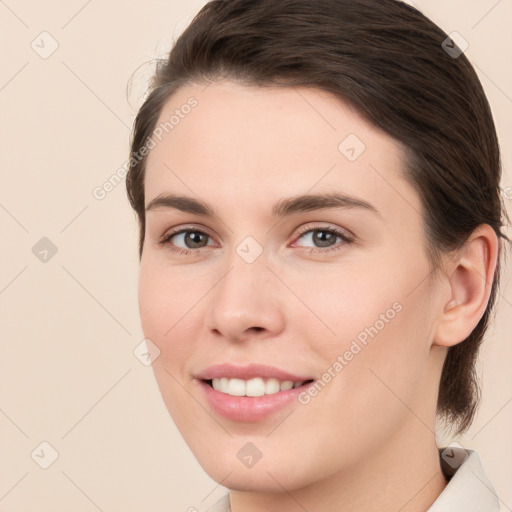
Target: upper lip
column 248, row 372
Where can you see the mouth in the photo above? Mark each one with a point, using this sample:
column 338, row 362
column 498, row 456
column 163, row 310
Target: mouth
column 255, row 387
column 252, row 392
column 248, row 401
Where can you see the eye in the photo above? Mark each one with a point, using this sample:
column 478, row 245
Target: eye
column 325, row 238
column 190, row 238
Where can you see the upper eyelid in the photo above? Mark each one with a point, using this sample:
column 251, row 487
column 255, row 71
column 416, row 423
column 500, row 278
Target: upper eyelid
column 324, row 226
column 178, row 231
column 317, row 225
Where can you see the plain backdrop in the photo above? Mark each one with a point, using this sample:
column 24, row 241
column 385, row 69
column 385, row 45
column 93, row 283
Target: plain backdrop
column 68, row 271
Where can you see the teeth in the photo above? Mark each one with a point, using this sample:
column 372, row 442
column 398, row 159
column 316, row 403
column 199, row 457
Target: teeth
column 253, row 387
column 236, row 387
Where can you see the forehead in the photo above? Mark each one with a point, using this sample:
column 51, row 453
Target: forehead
column 250, row 145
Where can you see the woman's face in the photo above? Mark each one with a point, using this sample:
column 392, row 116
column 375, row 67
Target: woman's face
column 334, row 294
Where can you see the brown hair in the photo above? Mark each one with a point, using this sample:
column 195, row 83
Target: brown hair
column 388, row 61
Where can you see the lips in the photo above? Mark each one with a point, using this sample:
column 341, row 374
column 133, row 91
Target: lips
column 250, row 371
column 247, row 408
column 250, row 408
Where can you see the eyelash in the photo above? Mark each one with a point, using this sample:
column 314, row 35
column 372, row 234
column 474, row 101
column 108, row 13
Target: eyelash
column 347, row 239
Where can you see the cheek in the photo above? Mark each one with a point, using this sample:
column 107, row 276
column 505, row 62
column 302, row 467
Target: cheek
column 374, row 387
column 352, row 304
column 379, row 342
column 163, row 305
column 164, row 319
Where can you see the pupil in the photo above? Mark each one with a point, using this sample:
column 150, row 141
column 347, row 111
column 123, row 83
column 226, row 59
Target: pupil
column 194, row 237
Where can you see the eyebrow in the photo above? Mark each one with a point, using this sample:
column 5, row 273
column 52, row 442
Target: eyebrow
column 283, row 208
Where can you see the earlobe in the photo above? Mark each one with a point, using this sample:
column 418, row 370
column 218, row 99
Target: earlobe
column 471, row 276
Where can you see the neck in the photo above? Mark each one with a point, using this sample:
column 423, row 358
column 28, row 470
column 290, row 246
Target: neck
column 405, row 475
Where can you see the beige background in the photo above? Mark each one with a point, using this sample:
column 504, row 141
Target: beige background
column 68, row 375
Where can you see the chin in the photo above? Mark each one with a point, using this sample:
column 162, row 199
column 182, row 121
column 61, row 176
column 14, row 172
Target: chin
column 250, row 480
column 265, row 476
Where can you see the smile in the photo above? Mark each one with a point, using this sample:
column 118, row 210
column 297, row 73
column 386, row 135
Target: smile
column 257, row 386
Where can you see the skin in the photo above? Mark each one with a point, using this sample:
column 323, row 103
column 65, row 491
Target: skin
column 367, row 440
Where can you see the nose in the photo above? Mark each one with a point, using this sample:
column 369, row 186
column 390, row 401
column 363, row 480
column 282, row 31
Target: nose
column 246, row 302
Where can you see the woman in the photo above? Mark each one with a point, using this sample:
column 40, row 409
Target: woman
column 317, row 189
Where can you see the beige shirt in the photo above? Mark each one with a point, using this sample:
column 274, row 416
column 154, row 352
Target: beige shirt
column 468, row 489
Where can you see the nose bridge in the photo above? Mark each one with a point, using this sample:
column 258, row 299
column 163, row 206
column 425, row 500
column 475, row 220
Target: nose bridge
column 242, row 298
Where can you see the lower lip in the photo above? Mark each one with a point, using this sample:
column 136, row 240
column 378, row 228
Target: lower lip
column 249, row 408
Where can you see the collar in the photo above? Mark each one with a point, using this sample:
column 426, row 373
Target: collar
column 468, row 489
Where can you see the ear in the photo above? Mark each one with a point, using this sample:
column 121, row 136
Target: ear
column 471, row 275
